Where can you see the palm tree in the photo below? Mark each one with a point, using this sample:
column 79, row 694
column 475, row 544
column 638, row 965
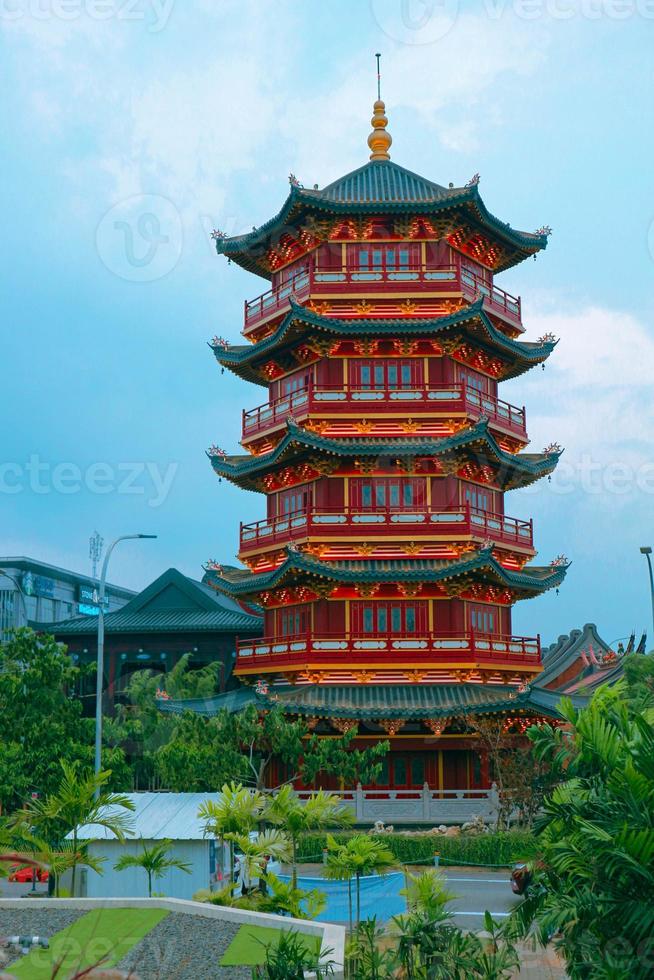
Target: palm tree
column 236, row 812
column 318, row 812
column 269, row 843
column 426, row 892
column 81, row 800
column 359, row 856
column 339, row 868
column 154, row 861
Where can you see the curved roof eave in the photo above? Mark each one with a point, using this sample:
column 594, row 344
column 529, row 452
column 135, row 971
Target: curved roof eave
column 525, row 351
column 245, row 581
column 300, row 198
column 533, row 464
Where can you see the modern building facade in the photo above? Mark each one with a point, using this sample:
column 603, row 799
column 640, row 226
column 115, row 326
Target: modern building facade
column 387, row 563
column 36, row 593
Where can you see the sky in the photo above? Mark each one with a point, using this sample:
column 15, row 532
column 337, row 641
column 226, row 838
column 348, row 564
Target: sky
column 132, row 128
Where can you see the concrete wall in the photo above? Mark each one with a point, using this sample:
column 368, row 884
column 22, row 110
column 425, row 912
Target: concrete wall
column 133, row 882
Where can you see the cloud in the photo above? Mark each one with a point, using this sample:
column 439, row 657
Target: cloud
column 595, row 399
column 191, row 125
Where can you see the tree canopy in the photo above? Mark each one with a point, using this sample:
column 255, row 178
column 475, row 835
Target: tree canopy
column 41, row 719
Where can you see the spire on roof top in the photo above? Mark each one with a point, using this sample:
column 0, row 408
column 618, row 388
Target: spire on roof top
column 379, row 140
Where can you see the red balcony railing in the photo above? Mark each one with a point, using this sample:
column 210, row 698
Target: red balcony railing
column 391, row 650
column 419, row 399
column 447, row 279
column 347, row 523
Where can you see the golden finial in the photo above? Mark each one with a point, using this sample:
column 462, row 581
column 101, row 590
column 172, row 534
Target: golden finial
column 379, row 140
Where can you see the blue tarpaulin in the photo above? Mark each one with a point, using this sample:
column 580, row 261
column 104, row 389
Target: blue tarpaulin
column 380, row 896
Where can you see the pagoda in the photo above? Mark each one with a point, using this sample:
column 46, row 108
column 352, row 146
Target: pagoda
column 386, row 564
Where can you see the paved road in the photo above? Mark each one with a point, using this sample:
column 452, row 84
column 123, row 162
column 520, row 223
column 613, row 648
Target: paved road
column 14, row 889
column 478, row 890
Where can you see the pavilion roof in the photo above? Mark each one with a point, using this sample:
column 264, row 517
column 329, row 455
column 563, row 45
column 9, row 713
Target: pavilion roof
column 514, row 470
column 378, row 188
column 380, row 701
column 301, row 322
column 298, row 566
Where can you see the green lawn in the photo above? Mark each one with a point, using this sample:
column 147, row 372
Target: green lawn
column 247, row 946
column 103, row 934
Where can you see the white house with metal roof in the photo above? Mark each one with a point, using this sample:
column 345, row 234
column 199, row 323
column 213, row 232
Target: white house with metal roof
column 157, row 817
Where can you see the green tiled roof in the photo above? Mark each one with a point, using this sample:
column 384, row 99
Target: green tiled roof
column 387, row 183
column 518, row 469
column 173, row 603
column 377, row 188
column 162, row 621
column 300, row 321
column 373, row 701
column 531, row 580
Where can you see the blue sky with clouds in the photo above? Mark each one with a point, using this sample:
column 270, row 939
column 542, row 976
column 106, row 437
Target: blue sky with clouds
column 132, row 127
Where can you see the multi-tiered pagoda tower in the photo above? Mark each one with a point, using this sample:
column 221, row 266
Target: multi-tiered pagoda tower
column 386, row 564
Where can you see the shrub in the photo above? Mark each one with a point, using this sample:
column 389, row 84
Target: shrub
column 484, row 849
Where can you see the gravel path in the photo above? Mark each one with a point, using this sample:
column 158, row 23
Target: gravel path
column 32, row 922
column 185, row 947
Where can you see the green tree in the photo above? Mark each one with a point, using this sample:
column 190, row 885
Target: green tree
column 154, row 860
column 594, row 885
column 80, row 799
column 237, row 811
column 201, row 754
column 358, row 856
column 297, row 817
column 639, row 678
column 142, row 730
column 41, row 720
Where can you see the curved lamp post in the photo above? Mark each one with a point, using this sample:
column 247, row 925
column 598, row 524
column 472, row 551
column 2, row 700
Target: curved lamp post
column 647, row 551
column 100, row 666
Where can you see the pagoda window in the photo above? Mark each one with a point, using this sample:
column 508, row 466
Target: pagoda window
column 387, row 493
column 329, row 258
column 476, row 381
column 478, row 498
column 294, row 620
column 385, row 374
column 400, row 771
column 479, row 273
column 439, row 255
column 483, row 619
column 290, row 271
column 294, row 382
column 293, row 501
column 417, row 770
column 389, row 617
column 372, row 263
column 481, row 498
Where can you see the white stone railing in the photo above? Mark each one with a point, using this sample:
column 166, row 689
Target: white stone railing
column 419, row 806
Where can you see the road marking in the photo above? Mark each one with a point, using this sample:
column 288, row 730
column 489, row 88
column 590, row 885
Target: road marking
column 487, row 881
column 499, row 915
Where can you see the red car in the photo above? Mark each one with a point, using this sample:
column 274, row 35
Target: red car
column 25, row 874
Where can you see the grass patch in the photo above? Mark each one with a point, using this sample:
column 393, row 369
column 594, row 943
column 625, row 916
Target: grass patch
column 102, row 934
column 247, row 946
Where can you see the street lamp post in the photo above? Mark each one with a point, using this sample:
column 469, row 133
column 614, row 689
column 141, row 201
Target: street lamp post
column 100, row 666
column 647, row 551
